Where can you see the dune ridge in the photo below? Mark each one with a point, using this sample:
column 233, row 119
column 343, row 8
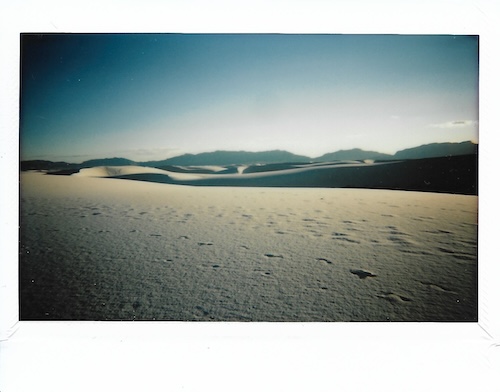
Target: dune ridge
column 448, row 175
column 111, row 171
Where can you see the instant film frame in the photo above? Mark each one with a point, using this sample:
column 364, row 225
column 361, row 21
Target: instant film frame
column 455, row 349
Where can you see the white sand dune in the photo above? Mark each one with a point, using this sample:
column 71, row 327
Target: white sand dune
column 111, row 171
column 100, row 248
column 115, row 171
column 317, row 175
column 446, row 174
column 131, row 171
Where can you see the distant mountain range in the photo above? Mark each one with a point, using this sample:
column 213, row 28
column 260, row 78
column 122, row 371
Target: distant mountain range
column 355, row 154
column 225, row 158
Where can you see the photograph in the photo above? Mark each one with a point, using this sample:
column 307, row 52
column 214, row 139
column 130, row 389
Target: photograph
column 248, row 177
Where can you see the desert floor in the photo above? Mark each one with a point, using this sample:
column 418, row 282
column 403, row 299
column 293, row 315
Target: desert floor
column 114, row 249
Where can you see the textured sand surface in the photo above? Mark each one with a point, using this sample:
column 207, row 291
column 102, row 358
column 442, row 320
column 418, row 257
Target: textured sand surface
column 102, row 248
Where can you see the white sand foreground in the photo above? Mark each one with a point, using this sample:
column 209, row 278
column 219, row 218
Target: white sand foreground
column 113, row 249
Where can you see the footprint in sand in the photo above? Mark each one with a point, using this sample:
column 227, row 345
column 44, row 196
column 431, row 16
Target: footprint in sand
column 399, row 240
column 458, row 255
column 393, row 297
column 362, row 274
column 393, row 230
column 344, row 237
column 438, row 288
column 270, row 255
column 201, row 311
column 465, row 257
column 445, row 250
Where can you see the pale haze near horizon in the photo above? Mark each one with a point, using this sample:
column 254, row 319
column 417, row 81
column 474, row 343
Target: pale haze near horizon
column 154, row 96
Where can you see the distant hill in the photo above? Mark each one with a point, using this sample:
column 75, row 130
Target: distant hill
column 230, row 158
column 354, row 154
column 226, row 158
column 47, row 165
column 435, row 150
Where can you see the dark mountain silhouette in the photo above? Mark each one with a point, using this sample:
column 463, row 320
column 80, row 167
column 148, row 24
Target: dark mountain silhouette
column 47, row 165
column 354, row 154
column 230, row 158
column 435, row 150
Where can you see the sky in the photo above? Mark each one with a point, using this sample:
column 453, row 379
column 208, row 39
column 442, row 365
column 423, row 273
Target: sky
column 154, row 96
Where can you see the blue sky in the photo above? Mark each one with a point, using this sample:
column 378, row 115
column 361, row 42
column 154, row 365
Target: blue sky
column 153, row 96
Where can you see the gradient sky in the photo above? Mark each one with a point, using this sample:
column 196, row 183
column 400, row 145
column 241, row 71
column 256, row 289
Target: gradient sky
column 153, row 96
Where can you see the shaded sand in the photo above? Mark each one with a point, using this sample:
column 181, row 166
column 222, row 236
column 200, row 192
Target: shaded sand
column 100, row 248
column 456, row 175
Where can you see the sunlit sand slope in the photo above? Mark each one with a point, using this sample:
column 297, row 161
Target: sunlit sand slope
column 100, row 248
